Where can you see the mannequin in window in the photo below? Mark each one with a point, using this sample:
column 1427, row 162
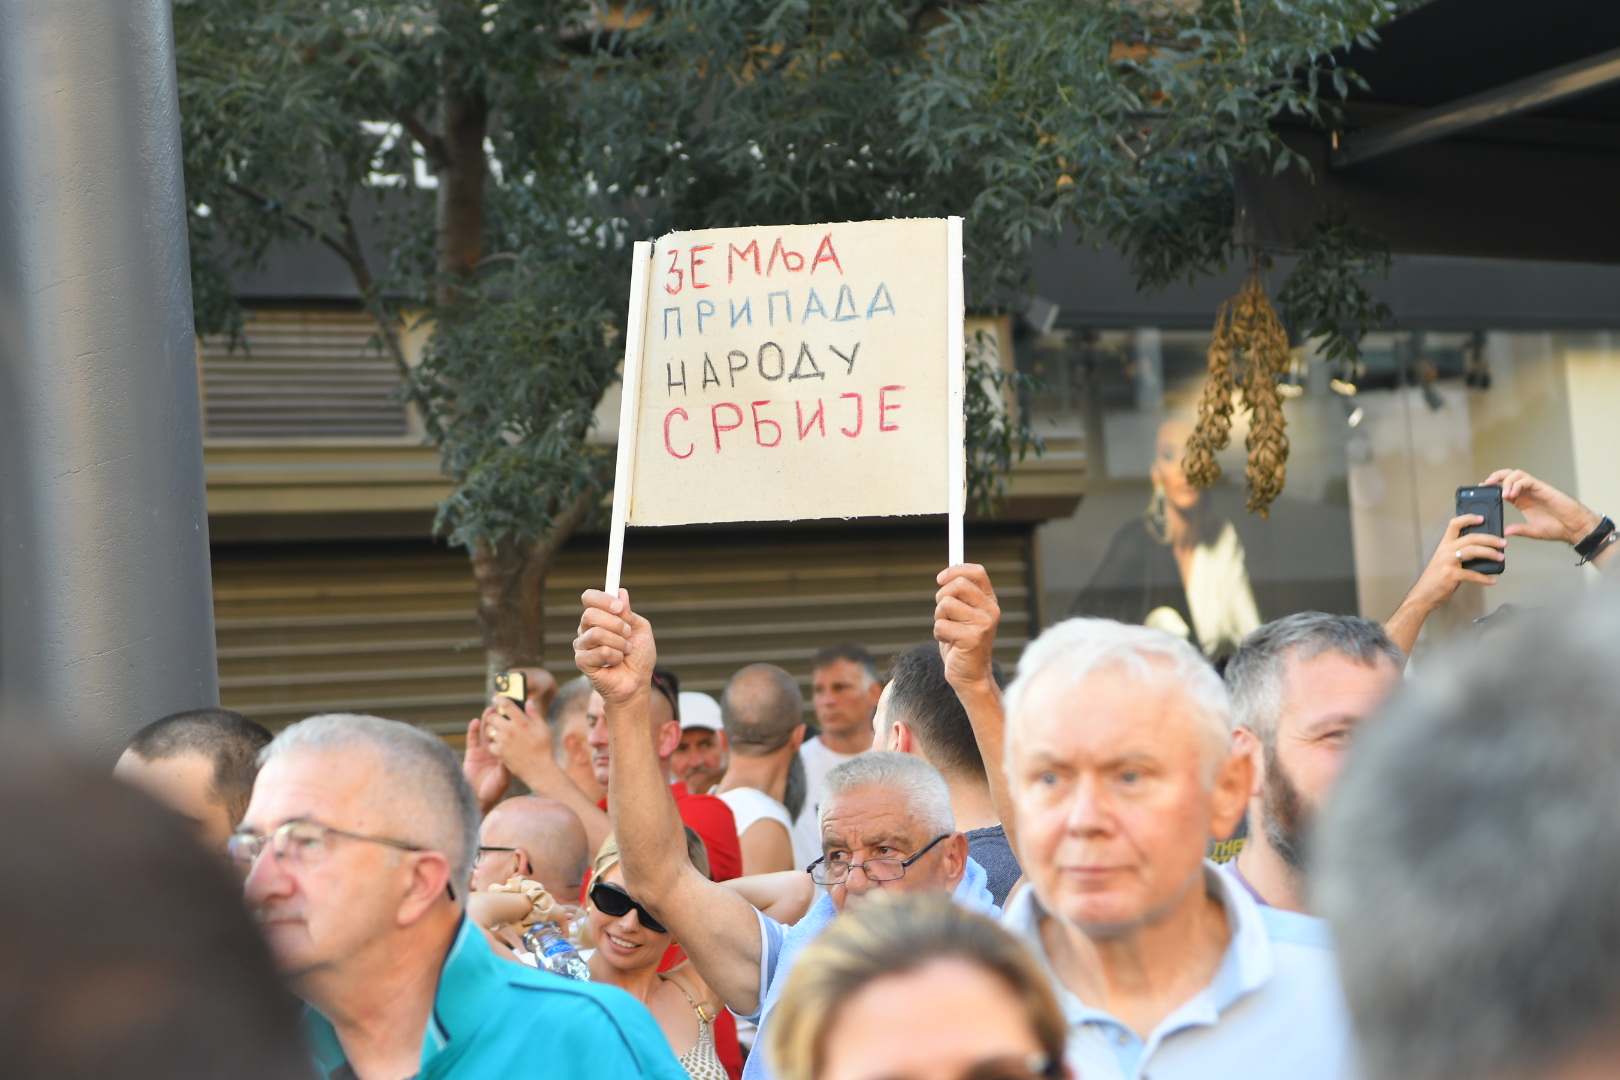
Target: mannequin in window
column 1178, row 567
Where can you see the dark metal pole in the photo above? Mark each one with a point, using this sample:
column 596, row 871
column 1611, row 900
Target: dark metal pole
column 106, row 617
column 1524, row 95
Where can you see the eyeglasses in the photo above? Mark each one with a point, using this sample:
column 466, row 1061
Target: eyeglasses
column 302, row 843
column 478, row 856
column 1012, row 1067
column 823, row 872
column 614, row 902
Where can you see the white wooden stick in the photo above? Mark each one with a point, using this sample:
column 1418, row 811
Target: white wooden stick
column 629, row 411
column 956, row 422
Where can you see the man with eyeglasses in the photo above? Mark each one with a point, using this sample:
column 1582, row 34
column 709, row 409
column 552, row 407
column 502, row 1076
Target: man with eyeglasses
column 540, row 839
column 886, row 825
column 358, row 835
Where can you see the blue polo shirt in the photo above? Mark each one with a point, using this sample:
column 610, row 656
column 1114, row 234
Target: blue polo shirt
column 780, row 947
column 492, row 1018
column 1273, row 1011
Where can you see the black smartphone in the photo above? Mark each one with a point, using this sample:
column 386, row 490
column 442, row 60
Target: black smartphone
column 1487, row 503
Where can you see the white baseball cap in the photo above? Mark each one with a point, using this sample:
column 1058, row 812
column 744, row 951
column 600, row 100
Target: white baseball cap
column 699, row 710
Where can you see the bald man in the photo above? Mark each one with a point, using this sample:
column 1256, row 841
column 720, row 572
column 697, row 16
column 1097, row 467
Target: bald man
column 762, row 710
column 536, row 838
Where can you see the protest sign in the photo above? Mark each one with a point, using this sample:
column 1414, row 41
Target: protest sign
column 790, row 372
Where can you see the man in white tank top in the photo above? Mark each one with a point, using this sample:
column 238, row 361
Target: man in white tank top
column 762, row 711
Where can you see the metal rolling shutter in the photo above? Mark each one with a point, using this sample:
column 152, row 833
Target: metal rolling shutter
column 391, row 629
column 305, row 374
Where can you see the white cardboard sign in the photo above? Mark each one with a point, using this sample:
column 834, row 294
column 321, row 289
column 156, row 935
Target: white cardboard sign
column 791, row 372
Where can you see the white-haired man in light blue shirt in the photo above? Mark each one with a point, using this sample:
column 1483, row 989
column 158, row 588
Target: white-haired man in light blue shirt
column 1119, row 770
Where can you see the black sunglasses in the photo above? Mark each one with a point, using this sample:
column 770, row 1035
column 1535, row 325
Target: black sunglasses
column 666, row 682
column 614, row 902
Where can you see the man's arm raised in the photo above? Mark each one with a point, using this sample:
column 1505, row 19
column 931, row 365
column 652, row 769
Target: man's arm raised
column 1442, row 576
column 485, row 773
column 1550, row 514
column 520, row 737
column 966, row 615
column 716, row 926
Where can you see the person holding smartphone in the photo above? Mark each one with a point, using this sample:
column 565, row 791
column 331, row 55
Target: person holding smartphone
column 1549, row 514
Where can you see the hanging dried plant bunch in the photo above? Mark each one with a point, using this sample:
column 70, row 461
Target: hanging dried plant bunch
column 1247, row 323
column 1214, row 429
column 1268, row 440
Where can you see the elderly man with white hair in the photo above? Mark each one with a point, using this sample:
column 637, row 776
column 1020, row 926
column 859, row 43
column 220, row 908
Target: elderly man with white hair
column 1120, row 769
column 885, row 826
column 356, row 838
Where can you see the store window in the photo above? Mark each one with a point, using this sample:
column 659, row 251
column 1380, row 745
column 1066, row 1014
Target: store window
column 1538, row 401
column 1145, row 546
column 1374, row 461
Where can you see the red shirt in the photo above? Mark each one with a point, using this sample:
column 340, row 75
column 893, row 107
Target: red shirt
column 712, row 820
column 716, row 826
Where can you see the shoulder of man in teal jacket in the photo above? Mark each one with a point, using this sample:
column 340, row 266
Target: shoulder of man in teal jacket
column 494, row 1018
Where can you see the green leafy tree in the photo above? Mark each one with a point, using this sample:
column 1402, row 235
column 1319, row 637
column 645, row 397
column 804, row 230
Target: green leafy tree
column 300, row 120
column 1123, row 120
column 1113, row 120
column 556, row 130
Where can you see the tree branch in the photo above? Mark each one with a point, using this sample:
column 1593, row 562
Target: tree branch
column 438, row 155
column 349, row 250
column 315, row 231
column 915, row 16
column 368, row 290
column 564, row 525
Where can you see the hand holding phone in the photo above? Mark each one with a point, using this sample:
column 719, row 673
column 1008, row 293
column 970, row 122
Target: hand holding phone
column 512, row 684
column 1486, row 501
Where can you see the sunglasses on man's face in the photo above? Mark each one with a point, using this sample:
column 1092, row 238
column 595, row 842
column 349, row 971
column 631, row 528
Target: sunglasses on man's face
column 615, row 903
column 667, row 686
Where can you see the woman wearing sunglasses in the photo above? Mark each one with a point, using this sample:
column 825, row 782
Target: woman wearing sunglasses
column 629, row 945
column 861, row 992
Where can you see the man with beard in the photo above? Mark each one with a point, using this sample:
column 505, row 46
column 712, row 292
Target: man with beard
column 1300, row 687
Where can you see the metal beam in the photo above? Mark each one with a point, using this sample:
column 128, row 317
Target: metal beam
column 1520, row 96
column 1447, row 198
column 106, row 616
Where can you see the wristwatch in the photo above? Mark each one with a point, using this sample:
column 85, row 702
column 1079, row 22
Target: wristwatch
column 1596, row 540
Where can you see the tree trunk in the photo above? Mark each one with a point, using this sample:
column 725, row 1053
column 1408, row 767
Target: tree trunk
column 511, row 579
column 511, row 575
column 459, row 211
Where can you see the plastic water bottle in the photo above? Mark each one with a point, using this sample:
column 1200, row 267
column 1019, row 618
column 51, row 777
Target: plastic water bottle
column 554, row 952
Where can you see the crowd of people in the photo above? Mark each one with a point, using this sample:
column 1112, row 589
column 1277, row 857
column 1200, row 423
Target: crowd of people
column 1121, row 863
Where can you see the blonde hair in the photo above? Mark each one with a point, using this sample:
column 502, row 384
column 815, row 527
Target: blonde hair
column 608, row 857
column 894, row 934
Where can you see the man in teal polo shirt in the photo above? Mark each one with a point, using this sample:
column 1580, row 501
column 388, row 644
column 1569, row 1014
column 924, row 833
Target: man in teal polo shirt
column 357, row 845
